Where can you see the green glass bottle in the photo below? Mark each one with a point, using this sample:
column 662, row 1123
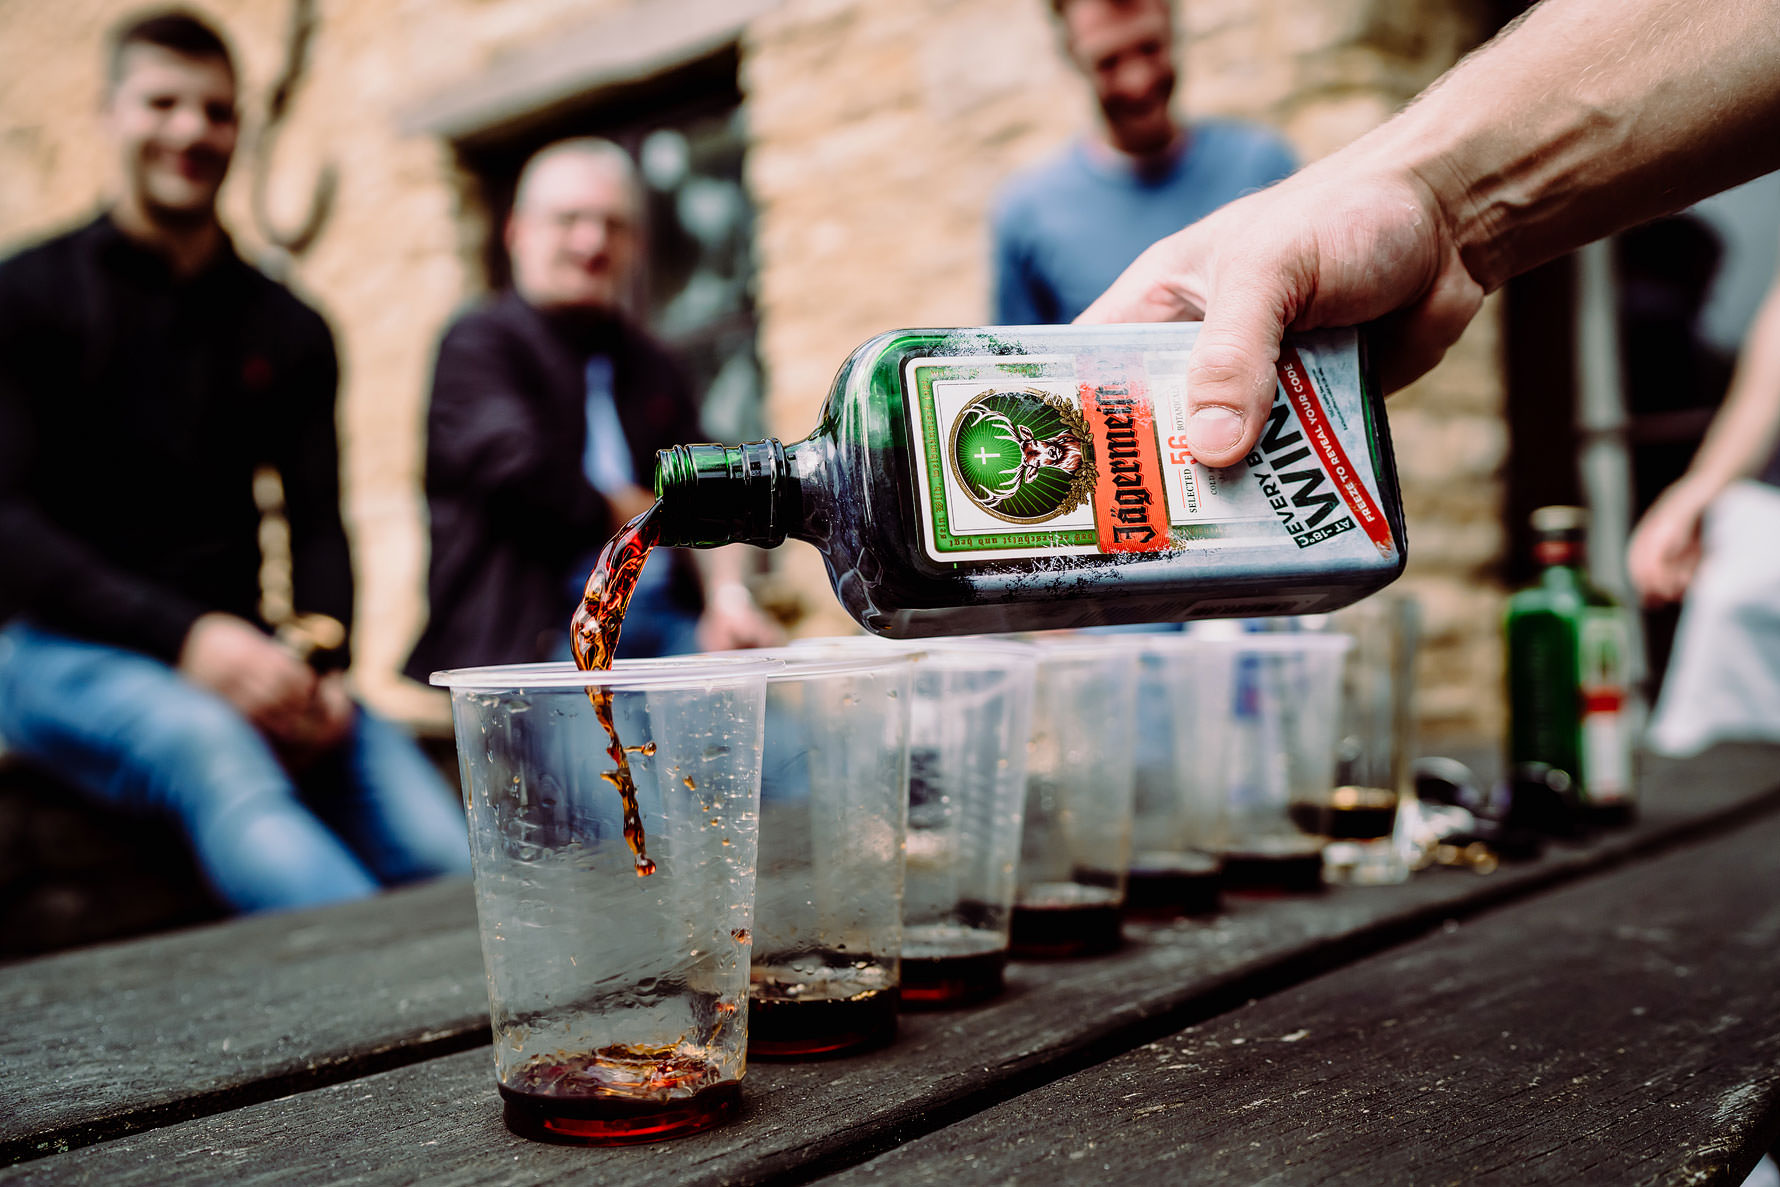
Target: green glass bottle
column 1568, row 645
column 1021, row 478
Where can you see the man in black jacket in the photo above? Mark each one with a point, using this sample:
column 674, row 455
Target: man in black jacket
column 145, row 373
column 548, row 407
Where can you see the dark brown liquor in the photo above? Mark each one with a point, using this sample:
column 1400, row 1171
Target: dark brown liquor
column 1274, row 865
column 616, row 1096
column 1164, row 885
column 942, row 982
column 787, row 1027
column 1061, row 919
column 1352, row 814
column 593, row 637
column 953, row 964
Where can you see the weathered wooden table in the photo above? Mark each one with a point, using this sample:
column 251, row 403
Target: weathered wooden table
column 1607, row 1014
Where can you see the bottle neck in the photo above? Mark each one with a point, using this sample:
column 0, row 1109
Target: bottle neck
column 1558, row 553
column 709, row 495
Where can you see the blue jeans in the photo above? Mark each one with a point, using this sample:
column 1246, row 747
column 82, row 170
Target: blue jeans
column 130, row 731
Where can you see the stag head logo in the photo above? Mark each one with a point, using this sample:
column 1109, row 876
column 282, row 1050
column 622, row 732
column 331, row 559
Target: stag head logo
column 1024, row 457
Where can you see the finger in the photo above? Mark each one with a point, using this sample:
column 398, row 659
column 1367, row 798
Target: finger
column 1662, row 565
column 296, row 686
column 1686, row 565
column 1408, row 344
column 1232, row 373
column 1640, row 571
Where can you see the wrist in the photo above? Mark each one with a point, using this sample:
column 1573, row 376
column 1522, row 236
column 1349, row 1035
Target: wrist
column 1694, row 490
column 1436, row 154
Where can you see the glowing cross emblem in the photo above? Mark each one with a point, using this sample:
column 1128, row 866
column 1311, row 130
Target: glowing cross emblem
column 985, row 457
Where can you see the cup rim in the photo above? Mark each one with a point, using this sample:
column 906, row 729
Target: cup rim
column 1082, row 645
column 795, row 666
column 690, row 671
column 1276, row 642
column 954, row 650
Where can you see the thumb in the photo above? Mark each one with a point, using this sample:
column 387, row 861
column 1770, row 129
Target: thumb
column 1232, row 374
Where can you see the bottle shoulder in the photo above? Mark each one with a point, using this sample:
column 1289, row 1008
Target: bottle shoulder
column 1558, row 590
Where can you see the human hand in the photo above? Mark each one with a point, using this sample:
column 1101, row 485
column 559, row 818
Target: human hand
column 1349, row 240
column 240, row 663
column 1665, row 547
column 323, row 727
column 732, row 622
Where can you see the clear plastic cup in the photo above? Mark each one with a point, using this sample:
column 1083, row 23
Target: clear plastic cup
column 970, row 717
column 617, row 965
column 833, row 818
column 1183, row 695
column 1075, row 845
column 970, row 713
column 1279, row 723
column 1361, row 816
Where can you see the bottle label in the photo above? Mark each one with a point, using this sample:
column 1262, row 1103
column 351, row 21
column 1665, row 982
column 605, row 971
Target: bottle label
column 1042, row 455
column 1602, row 652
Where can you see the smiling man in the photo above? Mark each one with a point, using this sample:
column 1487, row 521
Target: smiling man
column 1064, row 230
column 549, row 403
column 146, row 372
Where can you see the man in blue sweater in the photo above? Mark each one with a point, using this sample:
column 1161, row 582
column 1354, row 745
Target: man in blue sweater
column 1065, row 229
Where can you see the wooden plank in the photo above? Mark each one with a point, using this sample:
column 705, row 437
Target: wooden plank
column 441, row 1118
column 1621, row 1031
column 125, row 1036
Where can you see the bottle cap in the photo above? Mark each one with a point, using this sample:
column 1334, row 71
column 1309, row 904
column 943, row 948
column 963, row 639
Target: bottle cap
column 1559, row 534
column 1559, row 520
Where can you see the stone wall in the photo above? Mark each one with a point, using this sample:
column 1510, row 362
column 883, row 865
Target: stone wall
column 881, row 130
column 394, row 262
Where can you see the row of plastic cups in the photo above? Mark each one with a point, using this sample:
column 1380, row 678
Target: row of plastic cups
column 832, row 829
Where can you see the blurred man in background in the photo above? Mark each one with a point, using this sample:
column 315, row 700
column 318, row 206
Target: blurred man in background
column 1711, row 538
column 146, row 371
column 548, row 407
column 1063, row 231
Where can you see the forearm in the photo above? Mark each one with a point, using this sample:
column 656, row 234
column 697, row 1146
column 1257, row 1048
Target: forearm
column 1588, row 116
column 307, row 454
column 1747, row 428
column 321, row 582
column 65, row 585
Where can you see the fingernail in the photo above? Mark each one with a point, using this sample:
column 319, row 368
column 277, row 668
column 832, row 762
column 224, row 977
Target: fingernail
column 1212, row 429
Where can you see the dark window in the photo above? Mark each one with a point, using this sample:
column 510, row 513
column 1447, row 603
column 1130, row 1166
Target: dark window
column 687, row 131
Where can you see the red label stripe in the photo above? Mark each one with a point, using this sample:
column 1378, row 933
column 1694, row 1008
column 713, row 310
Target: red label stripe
column 1295, row 378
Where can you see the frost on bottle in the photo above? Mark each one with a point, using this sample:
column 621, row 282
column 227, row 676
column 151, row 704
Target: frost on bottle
column 1025, row 478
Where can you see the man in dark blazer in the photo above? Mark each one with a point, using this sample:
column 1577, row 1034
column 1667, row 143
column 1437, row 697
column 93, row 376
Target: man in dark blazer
column 548, row 407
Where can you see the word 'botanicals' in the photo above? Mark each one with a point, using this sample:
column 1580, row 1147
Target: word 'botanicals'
column 1031, row 477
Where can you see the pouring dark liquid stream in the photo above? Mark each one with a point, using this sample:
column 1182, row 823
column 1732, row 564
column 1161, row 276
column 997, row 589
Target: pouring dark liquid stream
column 593, row 637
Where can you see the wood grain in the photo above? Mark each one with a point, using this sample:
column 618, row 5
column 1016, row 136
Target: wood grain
column 125, row 1036
column 440, row 1117
column 1622, row 1031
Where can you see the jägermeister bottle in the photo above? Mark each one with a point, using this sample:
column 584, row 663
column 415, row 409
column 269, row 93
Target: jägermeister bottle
column 1568, row 646
column 1022, row 478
